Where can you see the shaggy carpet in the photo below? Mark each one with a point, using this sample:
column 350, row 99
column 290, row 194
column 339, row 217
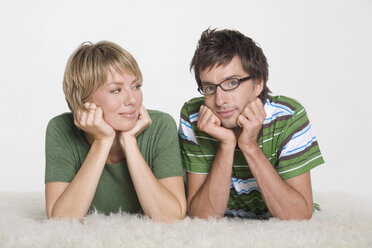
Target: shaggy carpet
column 345, row 221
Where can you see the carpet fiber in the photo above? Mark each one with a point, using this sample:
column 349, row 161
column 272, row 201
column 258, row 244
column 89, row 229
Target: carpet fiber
column 345, row 221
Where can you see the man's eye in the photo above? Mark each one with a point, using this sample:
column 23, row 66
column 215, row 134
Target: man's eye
column 209, row 88
column 232, row 83
column 115, row 91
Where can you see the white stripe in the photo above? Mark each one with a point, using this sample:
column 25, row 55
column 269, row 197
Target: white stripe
column 187, row 132
column 267, row 140
column 244, row 186
column 302, row 138
column 300, row 165
column 194, row 117
column 199, row 156
column 192, row 172
column 300, row 111
column 275, row 110
column 202, row 137
column 276, row 134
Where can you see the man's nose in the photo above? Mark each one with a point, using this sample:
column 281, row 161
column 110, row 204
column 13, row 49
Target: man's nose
column 220, row 96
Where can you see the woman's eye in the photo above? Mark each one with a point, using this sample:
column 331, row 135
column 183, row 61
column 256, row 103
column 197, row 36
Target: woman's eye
column 115, row 91
column 138, row 86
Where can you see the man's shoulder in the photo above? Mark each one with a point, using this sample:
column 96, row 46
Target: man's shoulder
column 192, row 106
column 281, row 111
column 286, row 101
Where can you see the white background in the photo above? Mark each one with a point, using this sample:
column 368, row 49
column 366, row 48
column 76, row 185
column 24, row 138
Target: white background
column 319, row 52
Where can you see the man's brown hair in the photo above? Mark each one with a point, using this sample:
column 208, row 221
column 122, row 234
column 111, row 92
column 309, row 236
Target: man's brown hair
column 219, row 47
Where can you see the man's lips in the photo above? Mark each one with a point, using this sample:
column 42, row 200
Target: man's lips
column 128, row 114
column 225, row 113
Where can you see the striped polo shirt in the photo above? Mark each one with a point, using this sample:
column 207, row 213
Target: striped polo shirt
column 286, row 139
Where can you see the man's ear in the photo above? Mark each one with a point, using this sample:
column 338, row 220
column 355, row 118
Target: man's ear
column 259, row 84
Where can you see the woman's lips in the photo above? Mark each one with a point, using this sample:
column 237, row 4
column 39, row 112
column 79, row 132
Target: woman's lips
column 129, row 114
column 225, row 113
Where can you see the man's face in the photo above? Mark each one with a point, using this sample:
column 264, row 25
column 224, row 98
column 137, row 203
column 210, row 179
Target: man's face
column 227, row 105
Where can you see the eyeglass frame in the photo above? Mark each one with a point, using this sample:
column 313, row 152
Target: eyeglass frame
column 240, row 80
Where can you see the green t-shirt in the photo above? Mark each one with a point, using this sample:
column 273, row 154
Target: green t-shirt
column 66, row 149
column 286, row 139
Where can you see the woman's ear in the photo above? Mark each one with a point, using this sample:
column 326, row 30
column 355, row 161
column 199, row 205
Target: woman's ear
column 259, row 84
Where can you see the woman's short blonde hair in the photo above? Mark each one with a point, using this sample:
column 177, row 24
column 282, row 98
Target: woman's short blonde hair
column 87, row 70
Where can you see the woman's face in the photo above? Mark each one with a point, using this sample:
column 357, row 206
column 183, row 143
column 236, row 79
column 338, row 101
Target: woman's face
column 120, row 98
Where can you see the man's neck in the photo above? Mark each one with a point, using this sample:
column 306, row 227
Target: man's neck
column 237, row 131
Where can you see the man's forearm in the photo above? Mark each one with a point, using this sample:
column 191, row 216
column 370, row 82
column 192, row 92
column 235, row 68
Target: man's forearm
column 283, row 201
column 212, row 197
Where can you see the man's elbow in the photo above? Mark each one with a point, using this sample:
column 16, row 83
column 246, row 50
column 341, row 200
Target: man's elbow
column 305, row 215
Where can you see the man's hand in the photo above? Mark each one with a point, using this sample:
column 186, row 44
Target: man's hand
column 251, row 120
column 209, row 123
column 91, row 121
column 142, row 123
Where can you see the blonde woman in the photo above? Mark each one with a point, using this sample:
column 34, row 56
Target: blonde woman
column 110, row 153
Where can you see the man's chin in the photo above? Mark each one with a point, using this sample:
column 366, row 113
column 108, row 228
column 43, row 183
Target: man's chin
column 229, row 124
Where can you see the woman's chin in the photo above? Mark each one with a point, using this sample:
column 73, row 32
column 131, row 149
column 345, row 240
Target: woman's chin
column 124, row 127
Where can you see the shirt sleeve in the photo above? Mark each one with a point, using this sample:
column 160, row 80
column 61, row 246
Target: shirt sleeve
column 298, row 151
column 195, row 160
column 59, row 160
column 167, row 161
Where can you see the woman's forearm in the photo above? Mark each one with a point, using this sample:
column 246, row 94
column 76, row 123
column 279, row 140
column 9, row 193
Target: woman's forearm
column 76, row 199
column 162, row 200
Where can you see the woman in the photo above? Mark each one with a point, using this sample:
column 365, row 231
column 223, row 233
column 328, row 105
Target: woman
column 110, row 153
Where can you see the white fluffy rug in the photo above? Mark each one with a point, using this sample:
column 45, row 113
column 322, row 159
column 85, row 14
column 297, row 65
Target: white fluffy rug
column 345, row 221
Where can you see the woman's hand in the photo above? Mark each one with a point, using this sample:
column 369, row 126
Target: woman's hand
column 142, row 123
column 91, row 121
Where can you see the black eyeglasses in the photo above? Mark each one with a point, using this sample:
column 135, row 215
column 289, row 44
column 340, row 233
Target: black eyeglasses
column 226, row 85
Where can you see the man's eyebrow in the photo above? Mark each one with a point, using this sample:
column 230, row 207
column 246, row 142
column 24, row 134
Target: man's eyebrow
column 205, row 83
column 227, row 78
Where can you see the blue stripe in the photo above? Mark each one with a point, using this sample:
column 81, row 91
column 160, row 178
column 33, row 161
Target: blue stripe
column 303, row 131
column 193, row 116
column 280, row 106
column 185, row 123
column 247, row 191
column 247, row 214
column 274, row 115
column 234, row 180
column 184, row 136
column 301, row 147
column 239, row 211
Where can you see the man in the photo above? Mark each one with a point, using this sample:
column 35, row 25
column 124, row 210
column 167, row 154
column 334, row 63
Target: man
column 246, row 153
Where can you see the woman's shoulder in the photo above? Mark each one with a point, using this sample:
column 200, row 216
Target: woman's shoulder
column 62, row 122
column 159, row 116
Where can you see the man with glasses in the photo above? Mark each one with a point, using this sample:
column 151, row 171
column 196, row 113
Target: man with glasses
column 246, row 153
